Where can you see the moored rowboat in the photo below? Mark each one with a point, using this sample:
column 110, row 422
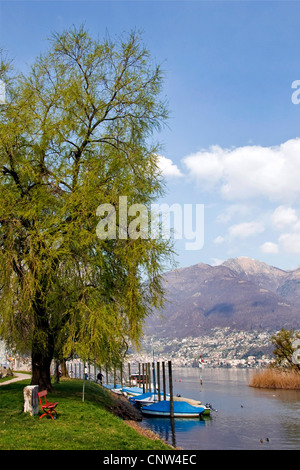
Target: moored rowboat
column 146, row 398
column 182, row 409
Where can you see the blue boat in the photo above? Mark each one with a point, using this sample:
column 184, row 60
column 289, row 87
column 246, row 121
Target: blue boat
column 141, row 396
column 132, row 391
column 182, row 409
column 145, row 398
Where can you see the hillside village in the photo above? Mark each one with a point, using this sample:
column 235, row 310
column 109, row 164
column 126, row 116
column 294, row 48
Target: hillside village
column 224, row 347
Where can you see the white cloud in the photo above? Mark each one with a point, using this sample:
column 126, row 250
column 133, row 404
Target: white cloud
column 290, row 242
column 284, row 216
column 234, row 210
column 218, row 240
column 269, row 247
column 216, row 261
column 296, row 226
column 245, row 229
column 167, row 167
column 250, row 171
column 206, row 166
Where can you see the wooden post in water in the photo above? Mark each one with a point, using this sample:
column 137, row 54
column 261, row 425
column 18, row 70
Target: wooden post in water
column 143, row 375
column 149, row 378
column 164, row 379
column 121, row 374
column 146, row 377
column 171, row 389
column 129, row 374
column 158, row 381
column 154, row 381
column 139, row 382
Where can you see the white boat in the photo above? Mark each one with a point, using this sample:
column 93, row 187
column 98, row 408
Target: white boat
column 132, row 391
column 146, row 398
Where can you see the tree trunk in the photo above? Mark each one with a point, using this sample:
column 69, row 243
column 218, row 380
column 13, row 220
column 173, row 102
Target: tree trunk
column 41, row 371
column 41, row 358
column 64, row 369
column 56, row 370
column 42, row 346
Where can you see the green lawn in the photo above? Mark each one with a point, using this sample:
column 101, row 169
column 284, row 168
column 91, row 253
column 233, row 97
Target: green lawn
column 80, row 425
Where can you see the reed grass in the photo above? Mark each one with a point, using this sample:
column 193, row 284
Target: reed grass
column 276, row 379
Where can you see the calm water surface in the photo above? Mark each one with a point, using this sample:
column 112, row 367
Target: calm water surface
column 244, row 415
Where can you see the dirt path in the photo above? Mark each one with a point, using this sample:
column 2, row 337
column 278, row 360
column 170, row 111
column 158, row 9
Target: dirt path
column 16, row 378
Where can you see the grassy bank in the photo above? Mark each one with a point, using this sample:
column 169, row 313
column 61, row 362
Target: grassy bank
column 276, row 379
column 88, row 425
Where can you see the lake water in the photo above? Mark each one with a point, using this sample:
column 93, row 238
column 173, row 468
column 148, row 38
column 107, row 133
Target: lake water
column 244, row 415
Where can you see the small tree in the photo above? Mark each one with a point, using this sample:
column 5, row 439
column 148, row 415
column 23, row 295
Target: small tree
column 284, row 352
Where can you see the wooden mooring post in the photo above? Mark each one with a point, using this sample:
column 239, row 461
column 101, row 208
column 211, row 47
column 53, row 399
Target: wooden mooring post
column 158, row 381
column 144, row 373
column 144, row 376
column 154, row 380
column 171, row 389
column 139, row 381
column 164, row 379
column 115, row 376
column 121, row 374
column 129, row 374
column 149, row 377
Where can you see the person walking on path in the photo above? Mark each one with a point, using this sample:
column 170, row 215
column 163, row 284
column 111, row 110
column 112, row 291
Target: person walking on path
column 100, row 377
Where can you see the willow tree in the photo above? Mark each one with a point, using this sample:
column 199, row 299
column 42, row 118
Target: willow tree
column 77, row 133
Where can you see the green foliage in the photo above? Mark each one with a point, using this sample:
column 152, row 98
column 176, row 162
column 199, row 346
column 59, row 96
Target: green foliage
column 87, row 425
column 75, row 134
column 284, row 350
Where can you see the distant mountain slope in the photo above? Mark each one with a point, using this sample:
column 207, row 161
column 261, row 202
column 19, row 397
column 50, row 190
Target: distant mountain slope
column 284, row 283
column 242, row 293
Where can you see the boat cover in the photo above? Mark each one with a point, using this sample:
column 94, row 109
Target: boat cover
column 141, row 397
column 178, row 406
column 135, row 390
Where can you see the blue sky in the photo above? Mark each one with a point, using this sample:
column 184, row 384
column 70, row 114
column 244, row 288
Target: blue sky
column 233, row 142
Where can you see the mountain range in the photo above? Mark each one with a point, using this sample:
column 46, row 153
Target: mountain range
column 241, row 293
